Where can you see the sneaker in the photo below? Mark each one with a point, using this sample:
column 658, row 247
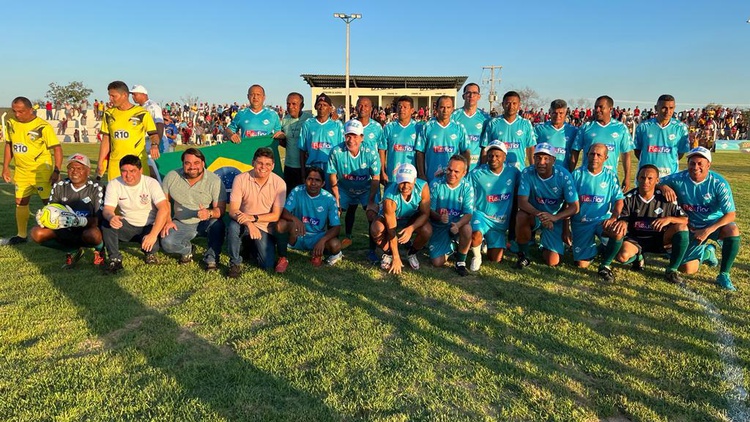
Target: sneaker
column 235, row 271
column 98, row 258
column 522, row 262
column 606, row 275
column 281, row 264
column 211, row 266
column 15, row 240
column 72, row 259
column 333, row 259
column 413, row 261
column 113, row 267
column 346, row 242
column 724, row 282
column 476, row 262
column 150, row 259
column 711, row 260
column 386, row 261
column 317, row 261
column 461, row 269
column 186, row 259
column 373, row 257
column 639, row 264
column 674, row 277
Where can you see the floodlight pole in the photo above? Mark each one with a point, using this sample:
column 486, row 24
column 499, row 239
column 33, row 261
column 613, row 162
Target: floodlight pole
column 348, row 19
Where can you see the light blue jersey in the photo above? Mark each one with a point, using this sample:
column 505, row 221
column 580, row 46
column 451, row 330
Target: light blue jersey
column 354, row 172
column 439, row 143
column 517, row 136
column 614, row 135
column 560, row 139
column 548, row 195
column 292, row 126
column 494, row 193
column 405, row 209
column 661, row 146
column 703, row 202
column 250, row 123
column 372, row 136
column 318, row 139
column 597, row 194
column 473, row 125
column 456, row 201
column 398, row 142
column 316, row 212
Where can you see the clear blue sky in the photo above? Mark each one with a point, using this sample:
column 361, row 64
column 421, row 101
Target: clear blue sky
column 631, row 50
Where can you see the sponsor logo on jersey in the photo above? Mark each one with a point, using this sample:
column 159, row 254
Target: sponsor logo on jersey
column 403, row 148
column 473, row 138
column 310, row 220
column 594, row 199
column 450, row 211
column 321, row 145
column 513, row 145
column 250, row 133
column 643, row 225
column 659, row 149
column 546, row 201
column 442, row 149
column 355, row 177
column 498, row 198
column 695, row 208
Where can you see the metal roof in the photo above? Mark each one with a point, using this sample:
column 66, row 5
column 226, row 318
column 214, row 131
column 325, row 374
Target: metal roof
column 385, row 82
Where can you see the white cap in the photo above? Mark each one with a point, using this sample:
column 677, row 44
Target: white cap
column 79, row 158
column 138, row 89
column 496, row 144
column 354, row 126
column 543, row 148
column 406, row 173
column 703, row 152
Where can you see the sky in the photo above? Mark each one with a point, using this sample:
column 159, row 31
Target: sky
column 631, row 50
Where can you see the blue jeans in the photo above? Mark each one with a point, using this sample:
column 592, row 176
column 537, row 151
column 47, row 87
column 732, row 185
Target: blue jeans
column 126, row 233
column 178, row 241
column 264, row 248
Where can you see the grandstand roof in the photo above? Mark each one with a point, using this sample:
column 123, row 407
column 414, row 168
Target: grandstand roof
column 385, row 82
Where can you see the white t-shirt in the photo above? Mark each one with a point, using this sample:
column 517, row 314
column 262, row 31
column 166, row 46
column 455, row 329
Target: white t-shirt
column 137, row 204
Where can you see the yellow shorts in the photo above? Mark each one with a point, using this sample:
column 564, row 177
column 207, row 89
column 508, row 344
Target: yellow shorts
column 29, row 183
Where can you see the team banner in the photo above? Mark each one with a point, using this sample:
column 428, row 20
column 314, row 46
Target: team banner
column 731, row 145
column 226, row 159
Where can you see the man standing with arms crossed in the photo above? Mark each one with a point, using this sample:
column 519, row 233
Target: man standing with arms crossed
column 288, row 137
column 517, row 132
column 473, row 120
column 318, row 136
column 398, row 141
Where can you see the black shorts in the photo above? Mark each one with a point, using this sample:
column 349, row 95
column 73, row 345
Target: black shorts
column 72, row 236
column 654, row 244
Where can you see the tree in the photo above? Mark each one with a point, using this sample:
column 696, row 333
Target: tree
column 189, row 99
column 530, row 99
column 73, row 92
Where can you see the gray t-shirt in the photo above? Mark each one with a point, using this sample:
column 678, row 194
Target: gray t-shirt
column 189, row 199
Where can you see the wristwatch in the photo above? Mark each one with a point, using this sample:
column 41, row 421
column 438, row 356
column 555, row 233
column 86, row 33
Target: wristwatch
column 255, row 219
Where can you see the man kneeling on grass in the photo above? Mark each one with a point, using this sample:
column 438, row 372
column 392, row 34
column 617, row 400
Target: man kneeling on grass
column 405, row 210
column 311, row 217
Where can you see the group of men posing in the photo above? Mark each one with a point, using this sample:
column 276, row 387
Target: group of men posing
column 451, row 184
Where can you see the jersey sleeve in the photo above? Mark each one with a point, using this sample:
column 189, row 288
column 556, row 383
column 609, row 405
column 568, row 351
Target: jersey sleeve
column 54, row 195
column 276, row 123
column 638, row 138
column 332, row 160
column 524, row 185
column 724, row 196
column 148, row 123
column 301, row 144
column 569, row 190
column 382, row 143
column 421, row 143
column 97, row 197
column 154, row 189
column 484, row 138
column 104, row 128
column 626, row 143
column 433, row 195
column 577, row 144
column 683, row 144
column 333, row 213
column 374, row 163
column 110, row 197
column 291, row 202
column 468, row 203
column 234, row 124
column 530, row 138
column 463, row 144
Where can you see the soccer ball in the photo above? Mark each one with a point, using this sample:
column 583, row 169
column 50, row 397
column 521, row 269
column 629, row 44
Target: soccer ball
column 58, row 216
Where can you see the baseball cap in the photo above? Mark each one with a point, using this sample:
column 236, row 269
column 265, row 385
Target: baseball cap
column 703, row 152
column 406, row 173
column 496, row 144
column 543, row 148
column 138, row 89
column 324, row 97
column 79, row 158
column 354, row 126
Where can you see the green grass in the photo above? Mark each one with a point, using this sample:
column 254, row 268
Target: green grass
column 173, row 343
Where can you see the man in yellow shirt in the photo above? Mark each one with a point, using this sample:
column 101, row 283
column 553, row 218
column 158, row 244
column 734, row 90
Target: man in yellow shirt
column 31, row 142
column 124, row 130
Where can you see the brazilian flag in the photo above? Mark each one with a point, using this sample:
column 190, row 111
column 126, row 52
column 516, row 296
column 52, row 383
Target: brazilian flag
column 226, row 159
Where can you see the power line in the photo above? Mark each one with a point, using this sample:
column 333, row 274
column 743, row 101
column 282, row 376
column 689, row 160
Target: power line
column 494, row 77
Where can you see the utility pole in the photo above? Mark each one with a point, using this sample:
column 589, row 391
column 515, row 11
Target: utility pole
column 491, row 80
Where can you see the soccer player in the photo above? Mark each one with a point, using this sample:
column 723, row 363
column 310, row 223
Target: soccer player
column 608, row 131
column 86, row 199
column 255, row 120
column 558, row 133
column 140, row 97
column 473, row 120
column 288, row 137
column 514, row 130
column 398, row 141
column 495, row 186
column 318, row 136
column 546, row 197
column 405, row 210
column 652, row 223
column 662, row 140
column 600, row 200
column 31, row 142
column 373, row 132
column 143, row 210
column 354, row 179
column 200, row 200
column 124, row 129
column 707, row 199
column 451, row 208
column 438, row 140
column 311, row 217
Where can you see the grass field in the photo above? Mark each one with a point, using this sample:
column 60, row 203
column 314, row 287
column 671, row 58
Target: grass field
column 174, row 343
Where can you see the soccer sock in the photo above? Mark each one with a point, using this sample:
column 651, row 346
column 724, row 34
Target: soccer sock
column 632, row 259
column 523, row 248
column 680, row 244
column 729, row 251
column 460, row 257
column 351, row 212
column 22, row 219
column 282, row 243
column 610, row 251
column 372, row 243
column 477, row 250
column 99, row 247
column 412, row 251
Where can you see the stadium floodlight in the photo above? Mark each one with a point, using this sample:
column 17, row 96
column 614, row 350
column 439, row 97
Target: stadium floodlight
column 348, row 19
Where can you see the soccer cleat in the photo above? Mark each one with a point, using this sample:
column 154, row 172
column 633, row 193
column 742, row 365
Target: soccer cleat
column 522, row 262
column 186, row 259
column 113, row 267
column 72, row 259
column 639, row 264
column 606, row 275
column 386, row 261
column 723, row 281
column 211, row 266
column 346, row 242
column 281, row 264
column 476, row 262
column 373, row 257
column 711, row 260
column 98, row 258
column 150, row 259
column 674, row 277
column 413, row 261
column 317, row 261
column 333, row 259
column 235, row 271
column 15, row 240
column 461, row 269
